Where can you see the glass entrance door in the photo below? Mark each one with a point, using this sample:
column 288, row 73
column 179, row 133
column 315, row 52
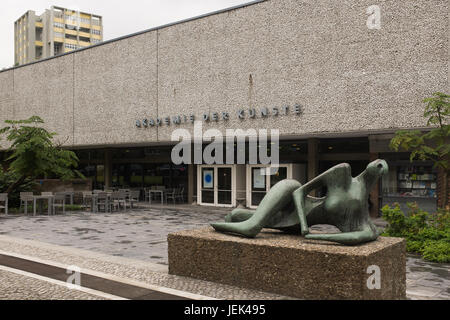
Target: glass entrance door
column 216, row 185
column 262, row 180
column 259, row 185
column 208, row 182
column 224, row 186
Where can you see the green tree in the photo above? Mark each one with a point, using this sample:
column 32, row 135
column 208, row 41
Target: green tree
column 433, row 145
column 33, row 154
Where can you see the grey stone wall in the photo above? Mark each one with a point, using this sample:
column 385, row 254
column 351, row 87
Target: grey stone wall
column 6, row 95
column 46, row 89
column 115, row 84
column 318, row 53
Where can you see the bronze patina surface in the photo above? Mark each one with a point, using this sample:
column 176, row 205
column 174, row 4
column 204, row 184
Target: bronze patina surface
column 288, row 207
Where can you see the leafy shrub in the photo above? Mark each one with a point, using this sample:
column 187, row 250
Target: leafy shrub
column 441, row 220
column 426, row 234
column 414, row 246
column 396, row 219
column 438, row 251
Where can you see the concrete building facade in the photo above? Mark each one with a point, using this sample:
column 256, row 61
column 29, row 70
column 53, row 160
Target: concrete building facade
column 348, row 87
column 57, row 31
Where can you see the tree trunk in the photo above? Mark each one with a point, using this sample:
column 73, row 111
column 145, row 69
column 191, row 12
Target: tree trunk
column 16, row 184
column 443, row 191
column 446, row 193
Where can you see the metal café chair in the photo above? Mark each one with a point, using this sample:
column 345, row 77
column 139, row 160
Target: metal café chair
column 4, row 199
column 69, row 193
column 24, row 198
column 46, row 193
column 87, row 197
column 134, row 197
column 171, row 195
column 118, row 199
column 180, row 194
column 152, row 195
column 103, row 202
column 146, row 194
column 125, row 197
column 163, row 189
column 126, row 192
column 59, row 201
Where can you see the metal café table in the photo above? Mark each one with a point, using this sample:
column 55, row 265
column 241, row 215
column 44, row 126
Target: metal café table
column 41, row 199
column 161, row 192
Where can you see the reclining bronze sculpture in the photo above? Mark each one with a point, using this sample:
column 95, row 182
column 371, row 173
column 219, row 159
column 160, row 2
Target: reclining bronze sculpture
column 288, row 207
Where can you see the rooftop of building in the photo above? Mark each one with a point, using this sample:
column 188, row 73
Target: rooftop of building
column 62, row 9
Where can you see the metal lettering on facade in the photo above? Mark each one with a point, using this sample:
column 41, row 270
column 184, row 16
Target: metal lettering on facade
column 242, row 114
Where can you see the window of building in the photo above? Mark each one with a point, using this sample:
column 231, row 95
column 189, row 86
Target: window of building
column 38, row 34
column 85, row 20
column 128, row 175
column 58, row 12
column 38, row 53
column 71, row 37
column 90, row 172
column 72, row 19
column 100, row 177
column 409, row 182
column 138, row 175
column 96, row 21
column 91, row 155
column 58, row 48
column 353, row 145
column 97, row 32
column 71, row 46
column 131, row 153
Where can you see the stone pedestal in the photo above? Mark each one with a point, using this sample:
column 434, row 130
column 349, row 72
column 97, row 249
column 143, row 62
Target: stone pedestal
column 291, row 265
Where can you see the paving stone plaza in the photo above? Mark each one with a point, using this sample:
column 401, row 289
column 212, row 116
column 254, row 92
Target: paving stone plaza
column 133, row 245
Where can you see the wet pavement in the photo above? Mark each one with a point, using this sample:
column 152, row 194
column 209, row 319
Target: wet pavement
column 427, row 280
column 141, row 234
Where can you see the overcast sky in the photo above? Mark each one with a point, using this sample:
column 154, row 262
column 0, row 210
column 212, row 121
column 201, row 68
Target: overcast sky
column 120, row 17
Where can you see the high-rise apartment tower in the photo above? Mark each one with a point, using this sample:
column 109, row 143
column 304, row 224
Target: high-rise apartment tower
column 56, row 31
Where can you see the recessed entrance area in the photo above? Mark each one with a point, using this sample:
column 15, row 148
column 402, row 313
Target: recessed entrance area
column 217, row 184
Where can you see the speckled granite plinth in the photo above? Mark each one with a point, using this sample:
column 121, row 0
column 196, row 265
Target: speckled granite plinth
column 290, row 265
